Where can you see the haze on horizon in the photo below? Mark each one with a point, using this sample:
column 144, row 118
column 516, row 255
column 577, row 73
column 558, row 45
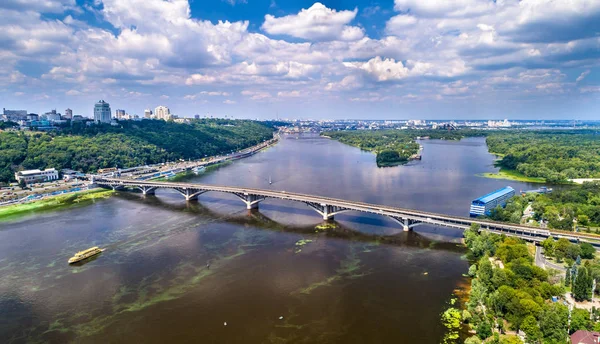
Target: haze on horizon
column 368, row 59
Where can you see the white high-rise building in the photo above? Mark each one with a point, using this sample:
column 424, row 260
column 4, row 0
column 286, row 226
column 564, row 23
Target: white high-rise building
column 148, row 113
column 68, row 114
column 162, row 112
column 102, row 113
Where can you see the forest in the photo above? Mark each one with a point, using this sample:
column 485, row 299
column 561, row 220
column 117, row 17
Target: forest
column 577, row 205
column 132, row 143
column 554, row 155
column 509, row 292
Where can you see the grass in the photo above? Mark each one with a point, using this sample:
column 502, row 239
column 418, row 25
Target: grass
column 53, row 202
column 512, row 175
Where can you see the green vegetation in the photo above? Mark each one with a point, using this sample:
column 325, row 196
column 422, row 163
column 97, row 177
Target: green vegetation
column 564, row 209
column 393, row 147
column 513, row 175
column 552, row 155
column 509, row 291
column 53, row 202
column 132, row 143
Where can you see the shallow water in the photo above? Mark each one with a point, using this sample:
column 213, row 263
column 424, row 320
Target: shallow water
column 363, row 281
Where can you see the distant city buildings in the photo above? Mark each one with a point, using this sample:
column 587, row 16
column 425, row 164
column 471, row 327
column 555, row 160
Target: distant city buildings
column 52, row 116
column 499, row 124
column 102, row 113
column 162, row 112
column 13, row 115
column 68, row 114
column 148, row 113
column 120, row 114
column 32, row 176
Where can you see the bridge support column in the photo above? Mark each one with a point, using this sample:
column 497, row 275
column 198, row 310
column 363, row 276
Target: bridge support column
column 327, row 212
column 250, row 200
column 190, row 194
column 148, row 190
column 407, row 224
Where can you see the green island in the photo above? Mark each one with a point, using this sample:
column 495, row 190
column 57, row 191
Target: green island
column 393, row 147
column 53, row 203
column 511, row 295
column 575, row 207
column 131, row 143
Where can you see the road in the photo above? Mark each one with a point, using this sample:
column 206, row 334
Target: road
column 541, row 261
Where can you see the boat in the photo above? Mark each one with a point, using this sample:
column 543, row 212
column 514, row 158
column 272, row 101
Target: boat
column 81, row 255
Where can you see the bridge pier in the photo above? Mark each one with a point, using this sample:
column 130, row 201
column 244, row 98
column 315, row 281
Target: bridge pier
column 327, row 211
column 250, row 200
column 147, row 190
column 190, row 194
column 407, row 224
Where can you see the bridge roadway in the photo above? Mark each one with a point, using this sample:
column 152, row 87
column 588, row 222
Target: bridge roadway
column 328, row 207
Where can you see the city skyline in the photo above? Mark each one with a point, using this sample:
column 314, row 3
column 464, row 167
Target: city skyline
column 471, row 59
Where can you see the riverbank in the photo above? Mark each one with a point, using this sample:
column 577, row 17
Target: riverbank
column 52, row 203
column 507, row 174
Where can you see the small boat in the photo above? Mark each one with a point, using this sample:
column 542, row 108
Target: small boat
column 90, row 252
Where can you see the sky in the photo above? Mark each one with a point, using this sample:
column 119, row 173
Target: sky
column 366, row 59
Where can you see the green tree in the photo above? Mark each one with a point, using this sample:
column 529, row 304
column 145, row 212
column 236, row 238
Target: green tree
column 548, row 245
column 22, row 184
column 582, row 288
column 580, row 320
column 532, row 329
column 553, row 323
column 484, row 330
column 587, row 251
column 473, row 340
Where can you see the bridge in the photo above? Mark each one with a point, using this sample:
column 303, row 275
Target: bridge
column 328, row 208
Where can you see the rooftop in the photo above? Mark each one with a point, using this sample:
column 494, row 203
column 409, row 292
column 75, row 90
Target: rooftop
column 584, row 337
column 493, row 195
column 29, row 172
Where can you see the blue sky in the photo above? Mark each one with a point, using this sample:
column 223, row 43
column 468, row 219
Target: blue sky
column 393, row 59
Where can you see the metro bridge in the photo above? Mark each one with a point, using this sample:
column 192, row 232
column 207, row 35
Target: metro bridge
column 329, row 207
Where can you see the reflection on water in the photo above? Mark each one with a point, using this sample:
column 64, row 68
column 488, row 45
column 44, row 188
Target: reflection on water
column 275, row 275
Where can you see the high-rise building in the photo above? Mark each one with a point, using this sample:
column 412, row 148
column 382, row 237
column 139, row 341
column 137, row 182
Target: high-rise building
column 68, row 114
column 120, row 114
column 148, row 113
column 52, row 116
column 162, row 112
column 102, row 112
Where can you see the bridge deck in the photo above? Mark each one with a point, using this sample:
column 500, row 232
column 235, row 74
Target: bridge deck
column 339, row 205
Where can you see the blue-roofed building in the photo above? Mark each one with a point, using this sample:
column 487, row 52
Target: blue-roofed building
column 484, row 204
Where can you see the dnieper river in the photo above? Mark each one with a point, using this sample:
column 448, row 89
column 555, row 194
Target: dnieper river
column 209, row 271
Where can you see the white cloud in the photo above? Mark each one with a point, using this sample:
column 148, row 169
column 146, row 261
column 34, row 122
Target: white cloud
column 199, row 79
column 256, row 95
column 317, row 23
column 289, row 94
column 380, row 69
column 582, row 75
column 228, row 101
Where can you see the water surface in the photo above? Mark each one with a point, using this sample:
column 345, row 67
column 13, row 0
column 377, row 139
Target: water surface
column 178, row 272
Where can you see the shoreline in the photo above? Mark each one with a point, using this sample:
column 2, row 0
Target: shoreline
column 51, row 203
column 514, row 175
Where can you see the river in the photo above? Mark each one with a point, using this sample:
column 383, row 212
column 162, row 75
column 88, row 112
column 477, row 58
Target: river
column 212, row 272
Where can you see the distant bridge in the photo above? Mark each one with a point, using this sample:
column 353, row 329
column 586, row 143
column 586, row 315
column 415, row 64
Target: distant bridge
column 329, row 207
